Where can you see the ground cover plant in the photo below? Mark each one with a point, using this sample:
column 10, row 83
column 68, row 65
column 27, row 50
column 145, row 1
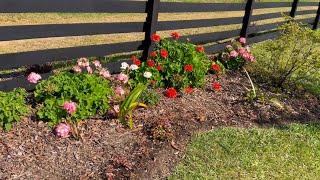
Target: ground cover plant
column 172, row 64
column 12, row 107
column 291, row 61
column 74, row 96
column 277, row 153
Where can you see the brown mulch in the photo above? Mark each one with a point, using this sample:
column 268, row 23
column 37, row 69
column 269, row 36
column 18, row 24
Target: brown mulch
column 153, row 148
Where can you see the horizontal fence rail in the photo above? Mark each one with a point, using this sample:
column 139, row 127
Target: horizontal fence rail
column 14, row 60
column 62, row 30
column 217, row 40
column 72, row 6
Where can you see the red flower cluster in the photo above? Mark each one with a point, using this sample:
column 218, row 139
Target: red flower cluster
column 154, row 54
column 188, row 68
column 216, row 86
column 171, row 93
column 188, row 90
column 216, row 67
column 175, row 35
column 151, row 63
column 164, row 53
column 200, row 49
column 159, row 68
column 155, row 38
column 135, row 60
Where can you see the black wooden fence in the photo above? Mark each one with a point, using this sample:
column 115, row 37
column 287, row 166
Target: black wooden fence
column 151, row 7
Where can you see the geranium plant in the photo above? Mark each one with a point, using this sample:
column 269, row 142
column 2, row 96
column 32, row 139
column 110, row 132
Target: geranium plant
column 236, row 55
column 12, row 107
column 172, row 64
column 74, row 96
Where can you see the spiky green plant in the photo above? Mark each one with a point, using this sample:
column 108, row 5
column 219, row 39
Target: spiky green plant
column 131, row 103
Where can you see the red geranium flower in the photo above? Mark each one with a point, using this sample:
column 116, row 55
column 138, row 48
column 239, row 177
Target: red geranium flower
column 175, row 35
column 159, row 68
column 164, row 53
column 215, row 67
column 155, row 38
column 154, row 54
column 171, row 93
column 151, row 63
column 200, row 49
column 216, row 86
column 188, row 90
column 188, row 68
column 135, row 60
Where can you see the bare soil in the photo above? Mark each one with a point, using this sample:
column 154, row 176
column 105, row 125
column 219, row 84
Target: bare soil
column 157, row 143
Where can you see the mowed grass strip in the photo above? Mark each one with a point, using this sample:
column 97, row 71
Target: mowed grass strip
column 8, row 19
column 291, row 152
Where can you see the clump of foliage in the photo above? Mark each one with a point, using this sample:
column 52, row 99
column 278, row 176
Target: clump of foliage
column 131, row 103
column 150, row 97
column 292, row 60
column 172, row 64
column 12, row 107
column 89, row 91
column 236, row 56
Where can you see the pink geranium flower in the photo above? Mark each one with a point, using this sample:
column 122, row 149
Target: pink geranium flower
column 97, row 64
column 77, row 69
column 70, row 107
column 120, row 91
column 234, row 54
column 116, row 108
column 105, row 73
column 89, row 69
column 83, row 62
column 243, row 40
column 242, row 51
column 123, row 77
column 62, row 130
column 33, row 78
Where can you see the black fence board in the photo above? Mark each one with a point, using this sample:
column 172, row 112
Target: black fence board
column 87, row 6
column 14, row 60
column 265, row 27
column 216, row 47
column 263, row 37
column 19, row 82
column 171, row 25
column 169, row 7
column 212, row 37
column 305, row 12
column 61, row 30
column 268, row 16
column 262, row 5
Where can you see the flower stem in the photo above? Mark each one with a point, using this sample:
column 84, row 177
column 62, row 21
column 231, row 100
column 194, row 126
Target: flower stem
column 252, row 85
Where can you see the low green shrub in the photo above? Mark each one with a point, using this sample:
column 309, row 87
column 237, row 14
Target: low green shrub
column 172, row 64
column 90, row 92
column 290, row 61
column 12, row 107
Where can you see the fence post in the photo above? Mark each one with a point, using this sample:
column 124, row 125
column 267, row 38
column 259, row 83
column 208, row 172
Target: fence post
column 316, row 21
column 246, row 18
column 294, row 8
column 150, row 26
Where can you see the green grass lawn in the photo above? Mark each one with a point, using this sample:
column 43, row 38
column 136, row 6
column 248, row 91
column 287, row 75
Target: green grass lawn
column 233, row 153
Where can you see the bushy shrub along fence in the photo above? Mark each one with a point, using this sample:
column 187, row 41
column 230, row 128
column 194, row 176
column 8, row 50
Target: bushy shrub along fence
column 150, row 26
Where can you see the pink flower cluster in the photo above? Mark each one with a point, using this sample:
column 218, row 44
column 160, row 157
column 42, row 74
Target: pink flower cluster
column 62, row 130
column 84, row 63
column 33, row 78
column 70, row 107
column 123, row 78
column 243, row 52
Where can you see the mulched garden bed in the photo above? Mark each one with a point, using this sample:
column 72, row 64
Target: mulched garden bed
column 151, row 150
